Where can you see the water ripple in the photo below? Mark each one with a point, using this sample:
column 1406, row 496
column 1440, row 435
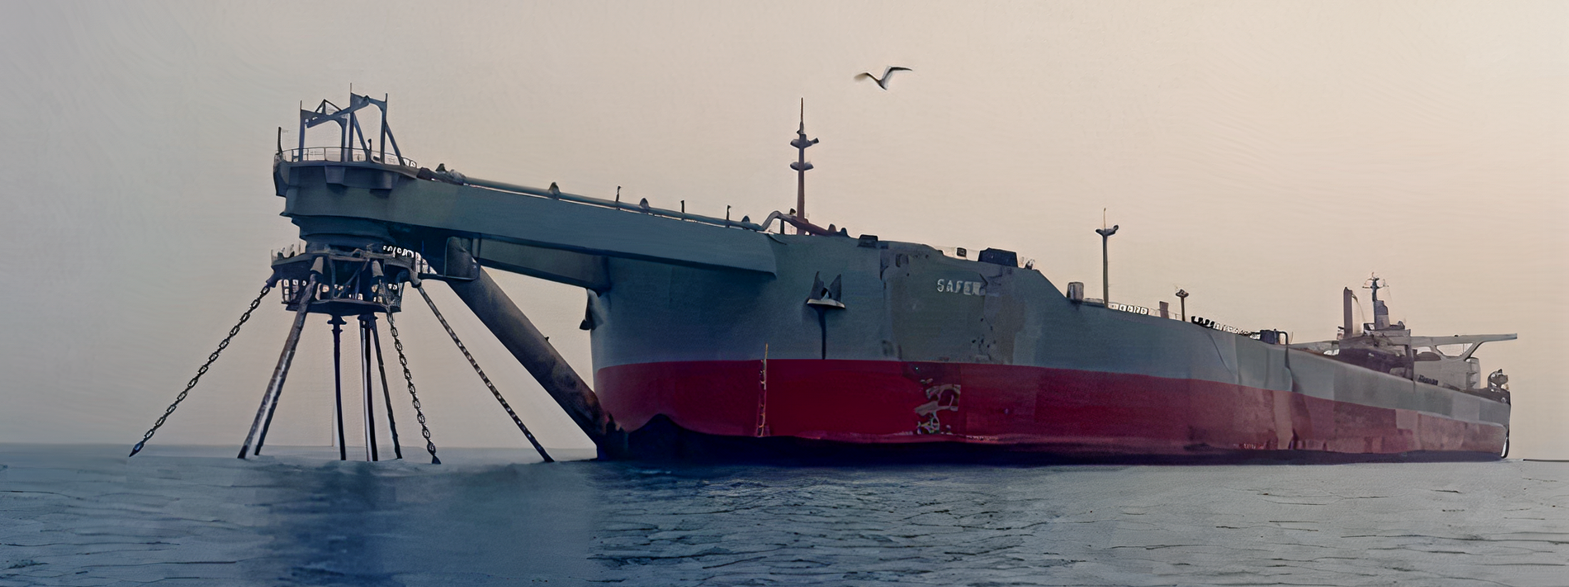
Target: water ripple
column 72, row 516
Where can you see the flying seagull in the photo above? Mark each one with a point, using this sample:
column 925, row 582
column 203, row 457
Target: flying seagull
column 883, row 83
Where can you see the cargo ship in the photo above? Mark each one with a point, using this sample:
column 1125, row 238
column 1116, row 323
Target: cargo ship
column 736, row 339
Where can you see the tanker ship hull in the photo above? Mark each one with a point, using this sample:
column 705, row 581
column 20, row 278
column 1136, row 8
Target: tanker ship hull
column 925, row 355
column 716, row 333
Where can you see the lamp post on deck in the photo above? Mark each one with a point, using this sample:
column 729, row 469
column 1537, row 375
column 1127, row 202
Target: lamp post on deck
column 1182, row 294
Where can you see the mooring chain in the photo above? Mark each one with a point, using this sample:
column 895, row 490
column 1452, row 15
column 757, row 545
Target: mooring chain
column 203, row 370
column 418, row 413
column 481, row 372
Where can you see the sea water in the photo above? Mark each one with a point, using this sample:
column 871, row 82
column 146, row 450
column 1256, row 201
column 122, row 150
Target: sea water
column 86, row 515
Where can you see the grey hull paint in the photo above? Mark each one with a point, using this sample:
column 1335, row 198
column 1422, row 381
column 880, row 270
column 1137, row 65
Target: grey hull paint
column 667, row 290
column 894, row 311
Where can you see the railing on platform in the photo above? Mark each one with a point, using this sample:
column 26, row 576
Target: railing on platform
column 382, row 294
column 342, row 155
column 415, row 260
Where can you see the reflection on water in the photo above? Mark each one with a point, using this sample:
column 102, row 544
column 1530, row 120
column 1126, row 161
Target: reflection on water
column 84, row 515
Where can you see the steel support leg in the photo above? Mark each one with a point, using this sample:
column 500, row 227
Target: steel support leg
column 386, row 393
column 337, row 382
column 482, row 377
column 369, row 402
column 493, row 308
column 279, row 372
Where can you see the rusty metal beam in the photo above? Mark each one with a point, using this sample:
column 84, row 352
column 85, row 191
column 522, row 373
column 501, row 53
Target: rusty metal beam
column 280, row 372
column 518, row 334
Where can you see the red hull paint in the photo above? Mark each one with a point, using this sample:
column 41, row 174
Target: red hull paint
column 1060, row 411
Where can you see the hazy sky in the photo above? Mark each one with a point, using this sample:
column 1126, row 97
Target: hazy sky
column 1260, row 155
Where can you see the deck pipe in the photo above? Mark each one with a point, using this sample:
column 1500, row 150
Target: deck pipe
column 603, row 203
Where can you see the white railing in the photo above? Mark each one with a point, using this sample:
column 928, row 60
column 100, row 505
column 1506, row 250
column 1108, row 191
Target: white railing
column 342, row 155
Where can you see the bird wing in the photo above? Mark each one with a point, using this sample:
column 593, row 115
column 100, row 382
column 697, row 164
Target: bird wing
column 893, row 69
column 866, row 74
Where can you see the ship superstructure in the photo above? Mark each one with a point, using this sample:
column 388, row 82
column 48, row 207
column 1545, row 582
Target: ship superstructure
column 1445, row 361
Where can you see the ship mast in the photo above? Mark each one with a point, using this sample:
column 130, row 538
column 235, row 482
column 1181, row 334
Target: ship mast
column 800, row 165
column 1380, row 309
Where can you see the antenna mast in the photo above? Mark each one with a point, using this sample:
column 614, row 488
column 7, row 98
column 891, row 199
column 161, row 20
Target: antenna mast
column 1380, row 309
column 800, row 165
